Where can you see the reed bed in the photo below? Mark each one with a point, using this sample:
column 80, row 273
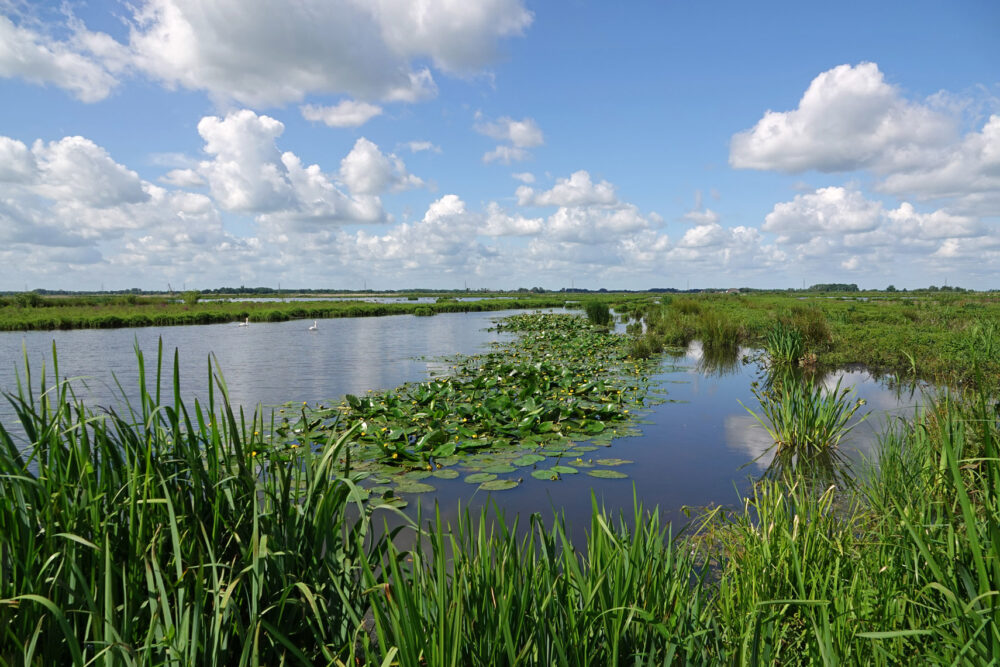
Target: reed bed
column 168, row 536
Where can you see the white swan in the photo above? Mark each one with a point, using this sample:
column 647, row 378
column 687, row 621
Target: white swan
column 315, row 326
column 244, row 324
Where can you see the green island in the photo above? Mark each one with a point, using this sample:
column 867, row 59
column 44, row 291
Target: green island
column 175, row 533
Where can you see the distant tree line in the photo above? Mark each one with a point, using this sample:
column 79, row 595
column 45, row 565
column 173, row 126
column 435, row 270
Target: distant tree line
column 834, row 287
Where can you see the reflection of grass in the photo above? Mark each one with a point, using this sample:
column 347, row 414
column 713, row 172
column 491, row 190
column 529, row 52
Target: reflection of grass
column 803, row 416
column 718, row 361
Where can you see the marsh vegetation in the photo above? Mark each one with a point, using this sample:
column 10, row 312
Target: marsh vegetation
column 163, row 532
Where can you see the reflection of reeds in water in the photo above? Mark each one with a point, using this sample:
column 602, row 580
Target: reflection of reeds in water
column 719, row 361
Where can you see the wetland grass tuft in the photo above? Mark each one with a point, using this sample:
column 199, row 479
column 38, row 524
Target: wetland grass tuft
column 803, row 416
column 784, row 344
column 598, row 313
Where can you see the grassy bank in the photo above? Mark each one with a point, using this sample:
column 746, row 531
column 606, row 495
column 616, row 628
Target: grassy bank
column 938, row 337
column 173, row 534
column 105, row 313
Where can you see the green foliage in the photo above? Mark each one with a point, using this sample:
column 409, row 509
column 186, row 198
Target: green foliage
column 477, row 594
column 423, row 311
column 686, row 306
column 191, row 297
column 784, row 344
column 834, row 287
column 803, row 416
column 28, row 299
column 717, row 331
column 598, row 313
column 114, row 311
column 163, row 536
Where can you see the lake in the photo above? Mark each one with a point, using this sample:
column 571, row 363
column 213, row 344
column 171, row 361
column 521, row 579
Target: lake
column 695, row 449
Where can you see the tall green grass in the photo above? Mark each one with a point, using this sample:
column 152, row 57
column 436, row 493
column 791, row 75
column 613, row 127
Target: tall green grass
column 164, row 535
column 784, row 344
column 175, row 536
column 803, row 416
column 477, row 594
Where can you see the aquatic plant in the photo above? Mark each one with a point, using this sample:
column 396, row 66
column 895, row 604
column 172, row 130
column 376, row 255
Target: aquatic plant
column 598, row 313
column 784, row 344
column 160, row 535
column 718, row 331
column 476, row 593
column 805, row 417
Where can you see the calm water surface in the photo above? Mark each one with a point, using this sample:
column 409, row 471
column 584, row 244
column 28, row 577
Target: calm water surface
column 696, row 449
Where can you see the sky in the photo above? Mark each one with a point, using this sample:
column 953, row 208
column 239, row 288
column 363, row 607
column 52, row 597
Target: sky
column 392, row 144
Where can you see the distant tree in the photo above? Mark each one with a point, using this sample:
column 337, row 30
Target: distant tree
column 28, row 299
column 890, row 288
column 834, row 287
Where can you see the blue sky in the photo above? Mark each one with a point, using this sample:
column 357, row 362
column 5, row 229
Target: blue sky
column 502, row 144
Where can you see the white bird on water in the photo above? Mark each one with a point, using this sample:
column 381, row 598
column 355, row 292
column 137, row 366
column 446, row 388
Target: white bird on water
column 245, row 323
column 315, row 326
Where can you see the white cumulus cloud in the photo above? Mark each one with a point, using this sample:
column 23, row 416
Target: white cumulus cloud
column 368, row 171
column 348, row 113
column 258, row 53
column 71, row 65
column 849, row 118
column 577, row 190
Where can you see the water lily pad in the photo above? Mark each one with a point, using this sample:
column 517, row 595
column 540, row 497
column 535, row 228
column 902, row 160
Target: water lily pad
column 499, row 485
column 585, row 448
column 527, row 460
column 546, row 474
column 446, row 473
column 612, row 462
column 564, row 470
column 416, row 475
column 607, row 474
column 380, row 490
column 480, row 477
column 500, row 469
column 358, row 494
column 407, row 486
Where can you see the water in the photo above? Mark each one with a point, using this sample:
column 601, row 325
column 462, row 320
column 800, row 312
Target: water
column 266, row 364
column 699, row 448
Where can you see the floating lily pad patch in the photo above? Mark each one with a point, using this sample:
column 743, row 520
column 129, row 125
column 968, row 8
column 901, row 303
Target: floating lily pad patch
column 446, row 473
column 546, row 474
column 500, row 484
column 480, row 477
column 409, row 486
column 564, row 470
column 612, row 462
column 606, row 474
column 527, row 460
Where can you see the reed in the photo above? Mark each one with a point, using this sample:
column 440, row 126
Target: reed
column 598, row 313
column 784, row 344
column 803, row 416
column 166, row 536
column 476, row 594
